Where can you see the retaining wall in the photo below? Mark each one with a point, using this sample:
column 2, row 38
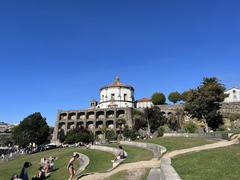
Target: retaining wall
column 156, row 149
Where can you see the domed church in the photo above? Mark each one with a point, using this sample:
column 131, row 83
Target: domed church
column 116, row 94
column 113, row 111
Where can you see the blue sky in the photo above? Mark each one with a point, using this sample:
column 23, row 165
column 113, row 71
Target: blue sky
column 57, row 54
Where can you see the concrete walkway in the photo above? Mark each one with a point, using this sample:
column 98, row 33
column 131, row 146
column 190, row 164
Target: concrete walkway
column 218, row 144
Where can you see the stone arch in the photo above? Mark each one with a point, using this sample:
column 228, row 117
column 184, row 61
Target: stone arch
column 70, row 125
column 90, row 115
column 90, row 125
column 80, row 124
column 120, row 113
column 81, row 115
column 63, row 116
column 61, row 125
column 72, row 116
column 110, row 124
column 100, row 115
column 99, row 124
column 110, row 114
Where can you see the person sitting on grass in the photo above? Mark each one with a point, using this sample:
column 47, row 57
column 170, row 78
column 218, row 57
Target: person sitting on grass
column 40, row 174
column 24, row 172
column 70, row 167
column 46, row 167
column 120, row 155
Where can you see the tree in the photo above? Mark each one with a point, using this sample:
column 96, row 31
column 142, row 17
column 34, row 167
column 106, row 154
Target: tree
column 80, row 134
column 174, row 97
column 33, row 129
column 158, row 98
column 204, row 102
column 185, row 95
column 154, row 118
column 130, row 133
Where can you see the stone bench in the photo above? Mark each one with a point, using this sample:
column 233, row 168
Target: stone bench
column 155, row 148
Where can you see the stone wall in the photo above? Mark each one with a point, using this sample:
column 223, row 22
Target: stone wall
column 231, row 108
column 93, row 119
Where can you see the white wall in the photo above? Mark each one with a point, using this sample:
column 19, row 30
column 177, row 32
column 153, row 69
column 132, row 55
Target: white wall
column 234, row 95
column 144, row 104
column 105, row 97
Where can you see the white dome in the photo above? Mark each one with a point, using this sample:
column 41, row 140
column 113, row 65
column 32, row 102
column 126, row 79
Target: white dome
column 116, row 94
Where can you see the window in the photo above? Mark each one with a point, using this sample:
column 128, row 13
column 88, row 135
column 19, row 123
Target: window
column 102, row 97
column 234, row 97
column 124, row 97
column 234, row 91
column 112, row 96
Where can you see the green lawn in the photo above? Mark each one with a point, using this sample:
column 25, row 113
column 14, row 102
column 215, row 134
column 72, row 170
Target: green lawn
column 99, row 162
column 135, row 154
column 215, row 164
column 174, row 143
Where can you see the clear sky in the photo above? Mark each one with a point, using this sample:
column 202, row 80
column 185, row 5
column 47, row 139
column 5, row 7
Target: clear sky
column 57, row 54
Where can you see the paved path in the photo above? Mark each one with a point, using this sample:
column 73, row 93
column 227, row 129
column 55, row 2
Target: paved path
column 155, row 163
column 218, row 144
column 129, row 166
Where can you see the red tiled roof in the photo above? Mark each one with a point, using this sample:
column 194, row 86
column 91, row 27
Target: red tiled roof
column 117, row 83
column 144, row 100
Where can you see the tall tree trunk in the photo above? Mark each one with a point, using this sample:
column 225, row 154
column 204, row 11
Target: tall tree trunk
column 206, row 125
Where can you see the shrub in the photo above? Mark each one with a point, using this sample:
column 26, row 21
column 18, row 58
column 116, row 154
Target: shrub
column 110, row 135
column 79, row 135
column 191, row 127
column 222, row 128
column 160, row 131
column 130, row 133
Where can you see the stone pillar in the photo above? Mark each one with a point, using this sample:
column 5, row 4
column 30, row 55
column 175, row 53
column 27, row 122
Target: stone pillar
column 55, row 131
column 66, row 124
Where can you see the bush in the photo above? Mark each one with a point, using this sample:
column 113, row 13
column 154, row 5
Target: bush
column 130, row 133
column 160, row 131
column 110, row 135
column 191, row 127
column 79, row 135
column 222, row 128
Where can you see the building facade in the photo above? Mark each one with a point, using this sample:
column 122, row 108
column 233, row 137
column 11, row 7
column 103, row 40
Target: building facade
column 233, row 95
column 114, row 111
column 144, row 103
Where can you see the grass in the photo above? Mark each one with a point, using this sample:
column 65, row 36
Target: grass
column 215, row 164
column 135, row 154
column 124, row 174
column 174, row 143
column 99, row 162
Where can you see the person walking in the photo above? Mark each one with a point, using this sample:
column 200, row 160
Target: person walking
column 70, row 166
